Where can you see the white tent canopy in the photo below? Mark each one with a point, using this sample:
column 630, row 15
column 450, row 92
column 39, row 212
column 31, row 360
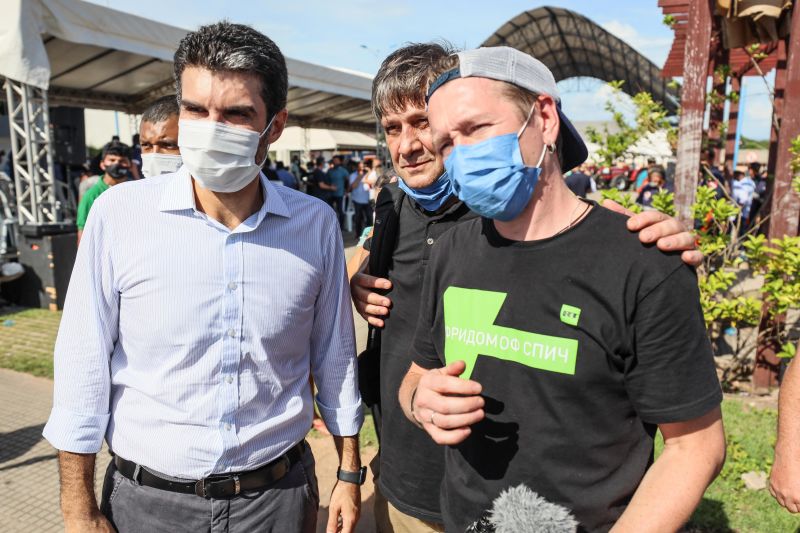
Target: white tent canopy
column 92, row 56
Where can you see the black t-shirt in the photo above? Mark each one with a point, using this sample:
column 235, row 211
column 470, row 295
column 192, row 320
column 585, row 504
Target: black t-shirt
column 587, row 341
column 411, row 464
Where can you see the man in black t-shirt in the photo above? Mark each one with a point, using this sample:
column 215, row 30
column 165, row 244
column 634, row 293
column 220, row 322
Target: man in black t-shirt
column 410, row 467
column 573, row 343
column 580, row 183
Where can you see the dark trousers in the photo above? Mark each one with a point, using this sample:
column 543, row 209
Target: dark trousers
column 290, row 506
column 362, row 216
column 337, row 204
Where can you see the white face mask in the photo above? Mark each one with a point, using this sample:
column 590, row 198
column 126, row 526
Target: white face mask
column 220, row 158
column 157, row 164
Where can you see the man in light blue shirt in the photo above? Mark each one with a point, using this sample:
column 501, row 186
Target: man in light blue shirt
column 359, row 195
column 188, row 341
column 742, row 190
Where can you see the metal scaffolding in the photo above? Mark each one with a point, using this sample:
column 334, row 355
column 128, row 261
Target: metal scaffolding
column 38, row 195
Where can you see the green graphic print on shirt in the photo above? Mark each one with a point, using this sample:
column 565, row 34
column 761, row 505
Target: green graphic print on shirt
column 469, row 316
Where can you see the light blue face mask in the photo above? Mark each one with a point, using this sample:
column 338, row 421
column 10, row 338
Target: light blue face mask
column 491, row 177
column 432, row 197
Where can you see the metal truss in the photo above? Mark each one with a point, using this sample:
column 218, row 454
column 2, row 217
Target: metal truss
column 38, row 196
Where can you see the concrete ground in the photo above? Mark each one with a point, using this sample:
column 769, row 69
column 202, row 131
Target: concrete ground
column 28, row 466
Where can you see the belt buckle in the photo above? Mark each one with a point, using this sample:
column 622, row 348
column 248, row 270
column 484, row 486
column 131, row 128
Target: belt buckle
column 200, row 488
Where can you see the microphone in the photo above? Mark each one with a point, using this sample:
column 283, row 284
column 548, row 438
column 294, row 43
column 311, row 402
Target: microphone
column 521, row 510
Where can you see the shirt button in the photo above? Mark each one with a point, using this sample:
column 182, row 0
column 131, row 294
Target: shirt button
column 229, row 380
column 227, row 427
column 231, row 332
column 232, row 285
column 430, row 241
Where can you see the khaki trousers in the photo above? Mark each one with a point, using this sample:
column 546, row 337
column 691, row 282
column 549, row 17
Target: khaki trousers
column 388, row 519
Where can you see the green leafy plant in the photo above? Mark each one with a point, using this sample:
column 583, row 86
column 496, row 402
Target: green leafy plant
column 649, row 116
column 625, row 200
column 745, row 280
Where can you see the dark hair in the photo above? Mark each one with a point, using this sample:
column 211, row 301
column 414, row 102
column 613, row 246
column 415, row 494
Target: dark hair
column 161, row 110
column 401, row 79
column 116, row 148
column 279, row 165
column 230, row 47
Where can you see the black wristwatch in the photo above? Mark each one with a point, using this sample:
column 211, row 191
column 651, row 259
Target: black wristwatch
column 357, row 478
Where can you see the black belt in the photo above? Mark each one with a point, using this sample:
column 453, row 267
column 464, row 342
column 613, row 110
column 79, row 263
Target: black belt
column 217, row 486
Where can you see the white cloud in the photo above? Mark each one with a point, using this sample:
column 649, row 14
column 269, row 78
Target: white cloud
column 655, row 49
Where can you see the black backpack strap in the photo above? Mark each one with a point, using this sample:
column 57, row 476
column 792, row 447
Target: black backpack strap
column 384, row 241
column 384, row 234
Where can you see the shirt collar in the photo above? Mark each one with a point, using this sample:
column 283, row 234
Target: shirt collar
column 178, row 195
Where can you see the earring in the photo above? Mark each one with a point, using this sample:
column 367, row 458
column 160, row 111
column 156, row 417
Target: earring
column 551, row 148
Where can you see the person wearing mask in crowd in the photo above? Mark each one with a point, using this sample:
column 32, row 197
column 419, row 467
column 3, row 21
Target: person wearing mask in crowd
column 409, row 467
column 116, row 165
column 158, row 133
column 183, row 351
column 359, row 195
column 527, row 376
column 656, row 183
column 742, row 191
column 337, row 179
column 286, row 177
column 580, row 183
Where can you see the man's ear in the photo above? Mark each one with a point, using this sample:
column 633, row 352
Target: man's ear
column 278, row 124
column 102, row 164
column 548, row 111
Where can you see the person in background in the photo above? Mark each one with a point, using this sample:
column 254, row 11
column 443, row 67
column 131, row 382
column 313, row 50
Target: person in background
column 158, row 133
column 318, row 185
column 759, row 193
column 743, row 188
column 136, row 152
column 116, row 165
column 86, row 180
column 286, row 177
column 337, row 178
column 359, row 195
column 656, row 183
column 643, row 173
column 580, row 183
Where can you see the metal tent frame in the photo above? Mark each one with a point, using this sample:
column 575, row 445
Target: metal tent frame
column 572, row 45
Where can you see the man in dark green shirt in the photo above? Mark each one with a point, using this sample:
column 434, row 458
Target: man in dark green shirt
column 116, row 166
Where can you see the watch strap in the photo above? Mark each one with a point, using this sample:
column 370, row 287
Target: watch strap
column 357, row 478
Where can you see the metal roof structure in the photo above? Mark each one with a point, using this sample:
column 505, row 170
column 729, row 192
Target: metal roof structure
column 87, row 55
column 572, row 45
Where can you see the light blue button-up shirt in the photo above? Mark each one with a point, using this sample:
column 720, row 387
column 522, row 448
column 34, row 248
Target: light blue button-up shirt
column 189, row 346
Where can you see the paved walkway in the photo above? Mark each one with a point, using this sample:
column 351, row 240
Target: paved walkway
column 28, row 466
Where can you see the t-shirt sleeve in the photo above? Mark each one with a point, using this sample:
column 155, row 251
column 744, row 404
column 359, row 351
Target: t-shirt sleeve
column 83, row 209
column 424, row 347
column 671, row 376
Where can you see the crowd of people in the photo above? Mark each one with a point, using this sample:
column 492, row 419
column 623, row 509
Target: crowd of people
column 520, row 336
column 347, row 185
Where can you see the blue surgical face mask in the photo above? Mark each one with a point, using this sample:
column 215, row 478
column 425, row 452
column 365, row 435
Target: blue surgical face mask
column 491, row 177
column 432, row 197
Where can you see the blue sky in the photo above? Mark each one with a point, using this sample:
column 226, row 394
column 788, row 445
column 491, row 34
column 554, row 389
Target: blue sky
column 332, row 33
